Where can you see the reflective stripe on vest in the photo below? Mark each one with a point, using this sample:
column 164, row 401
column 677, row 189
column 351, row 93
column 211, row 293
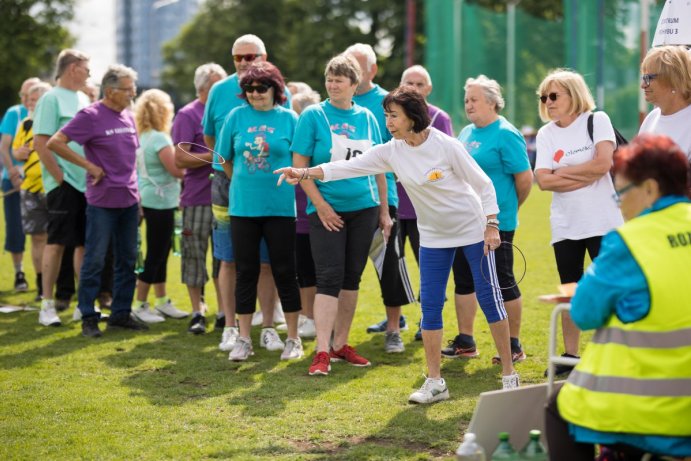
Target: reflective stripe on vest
column 636, row 377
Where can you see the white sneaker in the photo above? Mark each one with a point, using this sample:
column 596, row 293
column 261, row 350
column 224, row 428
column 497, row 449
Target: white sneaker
column 77, row 314
column 293, row 350
column 432, row 390
column 242, row 350
column 282, row 327
column 270, row 340
column 48, row 316
column 279, row 317
column 167, row 309
column 307, row 328
column 147, row 315
column 510, row 382
column 257, row 318
column 229, row 338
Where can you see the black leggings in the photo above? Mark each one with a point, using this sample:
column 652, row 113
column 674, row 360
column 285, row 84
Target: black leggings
column 160, row 225
column 279, row 233
column 570, row 256
column 307, row 276
column 407, row 228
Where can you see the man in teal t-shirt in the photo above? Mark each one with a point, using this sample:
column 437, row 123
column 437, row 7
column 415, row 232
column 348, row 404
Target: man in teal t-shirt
column 393, row 280
column 64, row 182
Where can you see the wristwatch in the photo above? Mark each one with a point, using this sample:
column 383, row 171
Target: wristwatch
column 493, row 221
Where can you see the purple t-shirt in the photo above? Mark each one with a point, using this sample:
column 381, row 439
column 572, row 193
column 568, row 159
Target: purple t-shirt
column 110, row 141
column 302, row 226
column 187, row 128
column 442, row 122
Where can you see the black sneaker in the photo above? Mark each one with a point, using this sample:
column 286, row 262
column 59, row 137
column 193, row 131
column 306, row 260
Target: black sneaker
column 458, row 349
column 197, row 325
column 126, row 322
column 90, row 327
column 418, row 333
column 20, row 283
column 563, row 371
column 220, row 323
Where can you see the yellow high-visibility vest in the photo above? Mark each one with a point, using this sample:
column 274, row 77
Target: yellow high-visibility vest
column 636, row 377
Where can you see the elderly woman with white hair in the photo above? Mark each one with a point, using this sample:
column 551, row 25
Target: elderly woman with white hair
column 195, row 199
column 500, row 150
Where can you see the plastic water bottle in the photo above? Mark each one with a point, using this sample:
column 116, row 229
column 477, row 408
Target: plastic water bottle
column 177, row 234
column 504, row 451
column 469, row 450
column 534, row 450
column 139, row 265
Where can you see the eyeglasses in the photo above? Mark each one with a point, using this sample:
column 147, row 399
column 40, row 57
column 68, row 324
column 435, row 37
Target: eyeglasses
column 246, row 57
column 551, row 96
column 616, row 196
column 647, row 78
column 261, row 89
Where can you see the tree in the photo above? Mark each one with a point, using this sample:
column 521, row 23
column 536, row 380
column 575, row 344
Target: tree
column 300, row 36
column 32, row 36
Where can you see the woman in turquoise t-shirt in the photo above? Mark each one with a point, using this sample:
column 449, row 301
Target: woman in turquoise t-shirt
column 343, row 215
column 255, row 140
column 159, row 188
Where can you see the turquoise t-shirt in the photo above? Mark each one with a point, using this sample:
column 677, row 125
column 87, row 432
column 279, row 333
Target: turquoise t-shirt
column 55, row 108
column 500, row 150
column 258, row 142
column 157, row 187
column 10, row 122
column 372, row 100
column 223, row 98
column 313, row 139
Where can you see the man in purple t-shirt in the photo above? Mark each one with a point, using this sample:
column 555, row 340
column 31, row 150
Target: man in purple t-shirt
column 107, row 131
column 195, row 199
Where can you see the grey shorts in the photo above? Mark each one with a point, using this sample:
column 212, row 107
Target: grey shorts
column 34, row 212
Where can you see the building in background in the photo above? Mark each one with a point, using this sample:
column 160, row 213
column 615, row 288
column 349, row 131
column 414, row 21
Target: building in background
column 142, row 27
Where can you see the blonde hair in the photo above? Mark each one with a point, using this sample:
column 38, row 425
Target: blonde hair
column 153, row 111
column 490, row 88
column 672, row 64
column 573, row 83
column 344, row 65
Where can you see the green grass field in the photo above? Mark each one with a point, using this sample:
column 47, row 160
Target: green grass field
column 166, row 394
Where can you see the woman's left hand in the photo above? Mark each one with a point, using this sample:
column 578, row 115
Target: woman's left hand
column 492, row 240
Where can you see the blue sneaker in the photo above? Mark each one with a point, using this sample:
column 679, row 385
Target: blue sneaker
column 381, row 326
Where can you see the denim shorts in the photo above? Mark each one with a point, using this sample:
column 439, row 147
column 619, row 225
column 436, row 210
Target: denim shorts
column 223, row 245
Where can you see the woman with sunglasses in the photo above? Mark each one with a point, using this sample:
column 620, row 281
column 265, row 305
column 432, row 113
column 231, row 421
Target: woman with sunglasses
column 631, row 391
column 254, row 140
column 343, row 216
column 666, row 82
column 575, row 168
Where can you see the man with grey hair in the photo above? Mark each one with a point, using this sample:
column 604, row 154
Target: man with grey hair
column 223, row 98
column 64, row 182
column 195, row 200
column 11, row 180
column 108, row 134
column 394, row 282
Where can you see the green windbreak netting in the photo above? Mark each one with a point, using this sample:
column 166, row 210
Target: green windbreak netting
column 517, row 45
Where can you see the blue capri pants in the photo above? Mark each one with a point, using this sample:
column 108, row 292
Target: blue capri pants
column 435, row 267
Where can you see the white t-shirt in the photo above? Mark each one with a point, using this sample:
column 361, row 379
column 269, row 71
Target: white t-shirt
column 451, row 194
column 677, row 126
column 589, row 211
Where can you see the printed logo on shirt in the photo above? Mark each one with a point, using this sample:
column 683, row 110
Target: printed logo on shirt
column 558, row 155
column 121, row 130
column 344, row 129
column 471, row 146
column 256, row 154
column 434, row 175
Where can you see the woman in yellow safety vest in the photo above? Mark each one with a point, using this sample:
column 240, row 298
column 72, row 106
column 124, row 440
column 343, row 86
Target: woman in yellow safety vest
column 631, row 390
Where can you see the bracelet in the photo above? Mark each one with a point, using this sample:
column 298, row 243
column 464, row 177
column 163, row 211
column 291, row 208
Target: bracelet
column 305, row 175
column 494, row 221
column 493, row 225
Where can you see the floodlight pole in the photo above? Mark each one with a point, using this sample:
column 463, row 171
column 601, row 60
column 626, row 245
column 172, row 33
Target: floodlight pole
column 511, row 58
column 645, row 24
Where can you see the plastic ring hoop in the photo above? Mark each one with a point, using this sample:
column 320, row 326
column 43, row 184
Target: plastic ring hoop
column 201, row 146
column 525, row 268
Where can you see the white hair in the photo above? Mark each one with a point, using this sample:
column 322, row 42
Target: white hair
column 417, row 69
column 490, row 88
column 203, row 74
column 114, row 73
column 366, row 50
column 250, row 39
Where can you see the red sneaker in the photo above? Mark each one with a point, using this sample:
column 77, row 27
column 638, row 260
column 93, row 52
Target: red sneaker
column 320, row 364
column 516, row 356
column 349, row 354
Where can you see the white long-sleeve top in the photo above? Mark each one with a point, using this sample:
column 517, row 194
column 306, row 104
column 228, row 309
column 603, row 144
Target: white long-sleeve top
column 451, row 194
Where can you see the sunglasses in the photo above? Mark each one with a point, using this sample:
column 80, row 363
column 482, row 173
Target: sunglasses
column 246, row 57
column 261, row 89
column 551, row 96
column 647, row 78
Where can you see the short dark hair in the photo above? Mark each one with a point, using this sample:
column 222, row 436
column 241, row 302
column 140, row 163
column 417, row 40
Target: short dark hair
column 654, row 156
column 412, row 103
column 266, row 73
